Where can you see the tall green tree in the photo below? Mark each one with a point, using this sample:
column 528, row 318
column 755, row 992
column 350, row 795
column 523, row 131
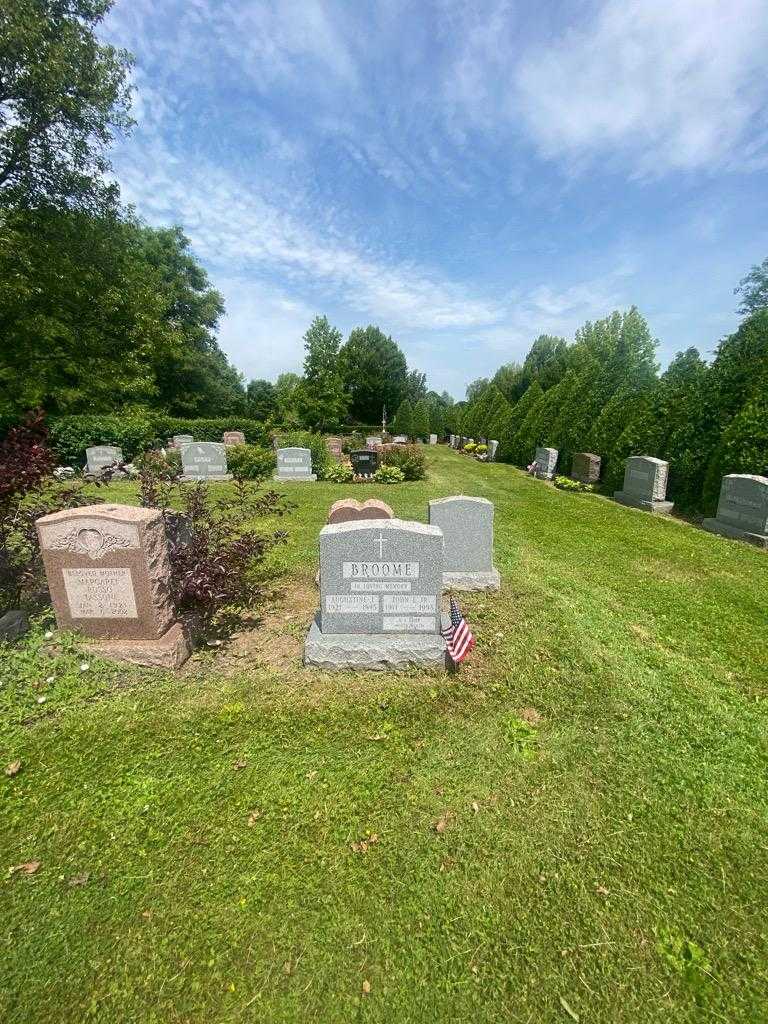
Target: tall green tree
column 753, row 289
column 63, row 96
column 322, row 399
column 286, row 395
column 421, row 426
column 403, row 421
column 374, row 372
column 261, row 400
column 415, row 386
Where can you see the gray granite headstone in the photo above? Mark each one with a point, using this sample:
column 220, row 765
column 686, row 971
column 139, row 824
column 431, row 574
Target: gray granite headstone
column 204, row 460
column 467, row 525
column 742, row 511
column 400, row 439
column 586, row 467
column 294, row 464
column 492, row 447
column 181, row 439
column 645, row 484
column 373, row 442
column 433, row 438
column 380, row 588
column 364, row 462
column 545, row 462
column 101, row 456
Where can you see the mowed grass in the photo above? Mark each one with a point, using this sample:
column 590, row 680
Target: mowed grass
column 195, row 833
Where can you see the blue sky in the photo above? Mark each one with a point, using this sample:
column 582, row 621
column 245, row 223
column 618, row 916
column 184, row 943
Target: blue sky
column 465, row 175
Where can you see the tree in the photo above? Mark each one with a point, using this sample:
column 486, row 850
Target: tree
column 507, row 442
column 415, row 386
column 403, row 421
column 83, row 315
column 261, row 400
column 286, row 388
column 545, row 362
column 63, row 95
column 753, row 289
column 507, row 379
column 322, row 400
column 196, row 378
column 476, row 388
column 374, row 373
column 421, row 427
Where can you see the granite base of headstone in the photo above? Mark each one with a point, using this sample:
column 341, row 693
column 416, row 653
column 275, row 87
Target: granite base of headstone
column 467, row 527
column 645, row 485
column 586, row 467
column 109, row 577
column 364, row 462
column 545, row 463
column 294, row 464
column 204, row 460
column 742, row 511
column 380, row 592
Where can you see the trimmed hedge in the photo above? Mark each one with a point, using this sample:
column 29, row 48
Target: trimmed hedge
column 71, row 435
column 408, row 458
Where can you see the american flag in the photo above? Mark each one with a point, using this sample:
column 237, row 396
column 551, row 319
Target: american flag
column 458, row 636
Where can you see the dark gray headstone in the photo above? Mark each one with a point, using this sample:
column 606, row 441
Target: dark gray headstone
column 364, row 462
column 742, row 511
column 204, row 460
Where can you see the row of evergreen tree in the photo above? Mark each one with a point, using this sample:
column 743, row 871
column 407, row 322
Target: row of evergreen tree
column 603, row 394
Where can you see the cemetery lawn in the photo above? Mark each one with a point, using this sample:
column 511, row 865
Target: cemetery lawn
column 572, row 828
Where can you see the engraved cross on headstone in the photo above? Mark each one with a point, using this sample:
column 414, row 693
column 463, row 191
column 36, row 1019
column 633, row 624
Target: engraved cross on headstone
column 381, row 542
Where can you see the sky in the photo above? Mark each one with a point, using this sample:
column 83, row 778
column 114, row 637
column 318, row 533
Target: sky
column 466, row 176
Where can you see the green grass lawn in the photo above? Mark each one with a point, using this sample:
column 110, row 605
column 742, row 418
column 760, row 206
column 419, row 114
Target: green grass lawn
column 609, row 863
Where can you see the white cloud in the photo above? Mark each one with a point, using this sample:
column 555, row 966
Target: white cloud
column 674, row 85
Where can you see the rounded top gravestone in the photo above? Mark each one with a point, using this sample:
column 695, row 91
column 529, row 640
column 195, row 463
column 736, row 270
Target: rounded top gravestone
column 204, row 460
column 294, row 464
column 349, row 510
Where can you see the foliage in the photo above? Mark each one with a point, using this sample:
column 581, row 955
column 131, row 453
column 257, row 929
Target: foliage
column 481, row 449
column 565, row 483
column 374, row 372
column 27, row 491
column 339, row 473
column 753, row 288
column 353, row 442
column 250, row 461
column 139, row 432
column 475, row 389
column 321, row 398
column 409, row 458
column 63, row 96
column 470, row 447
column 415, row 386
column 287, row 388
column 215, row 557
column 402, row 422
column 420, row 422
column 99, row 314
column 261, row 400
column 388, row 475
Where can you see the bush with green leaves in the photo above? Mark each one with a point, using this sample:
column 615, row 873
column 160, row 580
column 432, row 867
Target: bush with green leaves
column 250, row 461
column 389, row 475
column 353, row 442
column 71, row 435
column 339, row 473
column 470, row 447
column 565, row 483
column 256, row 431
column 481, row 449
column 321, row 457
column 407, row 458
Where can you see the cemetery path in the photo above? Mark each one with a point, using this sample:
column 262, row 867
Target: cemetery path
column 252, row 841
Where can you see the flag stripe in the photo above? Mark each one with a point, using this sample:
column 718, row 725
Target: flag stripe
column 459, row 640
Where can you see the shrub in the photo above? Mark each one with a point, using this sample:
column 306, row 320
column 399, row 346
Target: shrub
column 214, row 552
column 407, row 458
column 27, row 491
column 71, row 435
column 339, row 473
column 388, row 475
column 250, row 461
column 256, row 431
column 481, row 449
column 470, row 447
column 566, row 484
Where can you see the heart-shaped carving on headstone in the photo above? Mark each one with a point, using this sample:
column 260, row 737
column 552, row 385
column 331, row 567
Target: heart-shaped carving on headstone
column 349, row 510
